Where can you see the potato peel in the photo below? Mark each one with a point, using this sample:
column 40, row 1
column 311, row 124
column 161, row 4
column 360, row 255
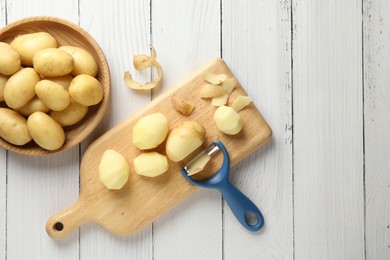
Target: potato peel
column 228, row 85
column 211, row 91
column 220, row 101
column 241, row 102
column 141, row 62
column 214, row 78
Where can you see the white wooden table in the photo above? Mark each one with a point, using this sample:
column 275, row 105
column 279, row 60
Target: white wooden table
column 319, row 71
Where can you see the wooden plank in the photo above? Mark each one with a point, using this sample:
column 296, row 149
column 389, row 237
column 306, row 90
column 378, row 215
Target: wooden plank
column 122, row 29
column 328, row 130
column 37, row 187
column 186, row 34
column 260, row 56
column 3, row 170
column 376, row 17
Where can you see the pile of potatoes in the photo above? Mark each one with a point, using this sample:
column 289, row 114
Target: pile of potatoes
column 45, row 87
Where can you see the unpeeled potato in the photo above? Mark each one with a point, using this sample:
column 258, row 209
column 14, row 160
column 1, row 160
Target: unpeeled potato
column 20, row 88
column 27, row 45
column 9, row 59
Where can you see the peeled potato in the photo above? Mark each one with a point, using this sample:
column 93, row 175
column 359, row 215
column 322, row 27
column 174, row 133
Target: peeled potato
column 151, row 164
column 150, row 131
column 228, row 120
column 113, row 170
column 184, row 139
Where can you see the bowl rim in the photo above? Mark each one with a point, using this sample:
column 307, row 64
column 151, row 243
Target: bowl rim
column 103, row 70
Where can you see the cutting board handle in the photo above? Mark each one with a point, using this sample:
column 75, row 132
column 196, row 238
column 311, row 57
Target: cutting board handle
column 66, row 221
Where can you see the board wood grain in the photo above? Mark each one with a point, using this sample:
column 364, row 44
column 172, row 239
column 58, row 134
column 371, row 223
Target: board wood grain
column 376, row 18
column 328, row 130
column 261, row 59
column 122, row 29
column 199, row 218
column 36, row 185
column 143, row 199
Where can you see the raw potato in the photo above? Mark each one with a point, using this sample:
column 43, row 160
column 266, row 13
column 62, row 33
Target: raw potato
column 84, row 62
column 228, row 85
column 151, row 164
column 3, row 80
column 220, row 101
column 64, row 81
column 9, row 59
column 150, row 131
column 34, row 105
column 214, row 78
column 27, row 45
column 241, row 102
column 53, row 62
column 13, row 127
column 211, row 90
column 228, row 120
column 181, row 106
column 70, row 115
column 20, row 88
column 184, row 139
column 53, row 95
column 45, row 131
column 113, row 170
column 86, row 90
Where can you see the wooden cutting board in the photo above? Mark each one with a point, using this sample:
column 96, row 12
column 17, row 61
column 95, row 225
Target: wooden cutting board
column 142, row 200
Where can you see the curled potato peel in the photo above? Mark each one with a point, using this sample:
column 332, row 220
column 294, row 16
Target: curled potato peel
column 141, row 62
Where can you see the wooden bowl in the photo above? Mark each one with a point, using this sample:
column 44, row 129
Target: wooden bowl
column 66, row 33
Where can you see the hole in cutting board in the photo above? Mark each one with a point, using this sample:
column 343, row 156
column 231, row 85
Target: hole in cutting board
column 58, row 226
column 251, row 218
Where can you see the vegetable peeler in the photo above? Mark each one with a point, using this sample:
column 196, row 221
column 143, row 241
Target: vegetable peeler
column 242, row 207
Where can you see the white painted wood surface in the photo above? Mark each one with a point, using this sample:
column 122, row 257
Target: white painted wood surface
column 328, row 130
column 376, row 19
column 318, row 72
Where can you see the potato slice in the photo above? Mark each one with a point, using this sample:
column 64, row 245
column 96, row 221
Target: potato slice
column 220, row 101
column 113, row 170
column 214, row 78
column 185, row 139
column 151, row 164
column 150, row 131
column 228, row 120
column 241, row 102
column 181, row 106
column 211, row 90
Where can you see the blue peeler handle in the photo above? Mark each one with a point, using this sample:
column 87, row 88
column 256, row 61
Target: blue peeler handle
column 241, row 206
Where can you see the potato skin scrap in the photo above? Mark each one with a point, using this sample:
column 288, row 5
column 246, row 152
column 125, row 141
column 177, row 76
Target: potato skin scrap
column 181, row 106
